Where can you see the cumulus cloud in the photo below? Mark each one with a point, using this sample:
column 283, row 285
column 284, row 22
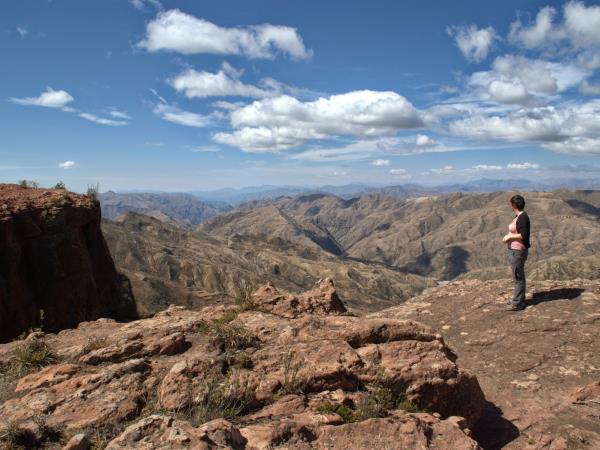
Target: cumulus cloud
column 176, row 115
column 380, row 162
column 569, row 129
column 519, row 80
column 50, row 99
column 579, row 27
column 474, row 43
column 284, row 122
column 177, row 31
column 201, row 84
column 67, row 165
column 538, row 33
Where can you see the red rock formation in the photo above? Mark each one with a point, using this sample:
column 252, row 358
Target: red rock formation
column 294, row 372
column 53, row 258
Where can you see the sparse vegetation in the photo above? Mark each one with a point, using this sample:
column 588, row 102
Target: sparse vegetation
column 92, row 191
column 347, row 414
column 222, row 397
column 230, row 336
column 59, row 185
column 28, row 184
column 243, row 296
column 292, row 383
column 61, row 199
column 31, row 355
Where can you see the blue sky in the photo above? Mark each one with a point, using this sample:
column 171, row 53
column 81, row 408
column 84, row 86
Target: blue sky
column 182, row 95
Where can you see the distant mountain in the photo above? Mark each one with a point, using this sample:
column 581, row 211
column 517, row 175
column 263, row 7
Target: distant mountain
column 239, row 196
column 444, row 236
column 167, row 264
column 179, row 209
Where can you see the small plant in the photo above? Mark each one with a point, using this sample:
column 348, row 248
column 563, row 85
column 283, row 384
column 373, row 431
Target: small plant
column 243, row 296
column 29, row 356
column 347, row 414
column 15, row 437
column 28, row 184
column 222, row 397
column 231, row 336
column 59, row 185
column 92, row 191
column 292, row 383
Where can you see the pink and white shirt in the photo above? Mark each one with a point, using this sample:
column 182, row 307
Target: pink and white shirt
column 512, row 228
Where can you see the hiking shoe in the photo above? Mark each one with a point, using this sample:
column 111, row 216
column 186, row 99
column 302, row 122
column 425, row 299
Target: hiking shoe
column 512, row 307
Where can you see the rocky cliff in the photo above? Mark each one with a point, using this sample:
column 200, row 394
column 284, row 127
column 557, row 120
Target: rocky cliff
column 55, row 268
column 279, row 371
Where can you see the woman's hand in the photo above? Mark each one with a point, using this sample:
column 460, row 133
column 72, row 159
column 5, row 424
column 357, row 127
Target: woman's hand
column 506, row 238
column 512, row 237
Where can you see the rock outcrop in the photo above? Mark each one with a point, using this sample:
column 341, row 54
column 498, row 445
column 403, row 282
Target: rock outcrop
column 53, row 258
column 288, row 371
column 539, row 368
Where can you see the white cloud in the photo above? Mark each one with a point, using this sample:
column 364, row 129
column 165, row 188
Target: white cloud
column 67, row 165
column 50, row 99
column 181, row 117
column 177, row 31
column 486, row 168
column 101, row 120
column 589, row 89
column 22, row 31
column 206, row 149
column 473, row 43
column 380, row 162
column 143, row 4
column 423, row 141
column 523, row 166
column 579, row 27
column 571, row 128
column 582, row 23
column 201, row 84
column 509, row 92
column 284, row 122
column 228, row 106
column 443, row 170
column 518, row 80
column 119, row 114
column 536, row 34
column 576, row 146
column 398, row 171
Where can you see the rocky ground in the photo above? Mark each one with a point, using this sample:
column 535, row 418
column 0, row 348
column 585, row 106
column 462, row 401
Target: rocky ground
column 277, row 371
column 539, row 368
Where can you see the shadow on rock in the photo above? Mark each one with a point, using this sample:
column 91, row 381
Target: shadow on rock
column 492, row 431
column 555, row 294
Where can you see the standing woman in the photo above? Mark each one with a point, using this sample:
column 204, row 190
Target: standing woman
column 518, row 244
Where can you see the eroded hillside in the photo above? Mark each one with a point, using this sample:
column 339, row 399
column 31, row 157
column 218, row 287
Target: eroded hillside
column 442, row 236
column 169, row 265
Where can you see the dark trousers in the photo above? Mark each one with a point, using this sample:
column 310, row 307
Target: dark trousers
column 516, row 259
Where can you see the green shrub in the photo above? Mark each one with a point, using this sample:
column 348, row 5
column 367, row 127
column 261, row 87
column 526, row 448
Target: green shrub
column 347, row 414
column 30, row 356
column 59, row 185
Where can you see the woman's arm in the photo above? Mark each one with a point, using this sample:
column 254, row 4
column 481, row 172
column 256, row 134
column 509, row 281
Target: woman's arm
column 512, row 237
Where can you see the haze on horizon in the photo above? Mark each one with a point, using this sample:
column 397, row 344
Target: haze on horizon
column 182, row 96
